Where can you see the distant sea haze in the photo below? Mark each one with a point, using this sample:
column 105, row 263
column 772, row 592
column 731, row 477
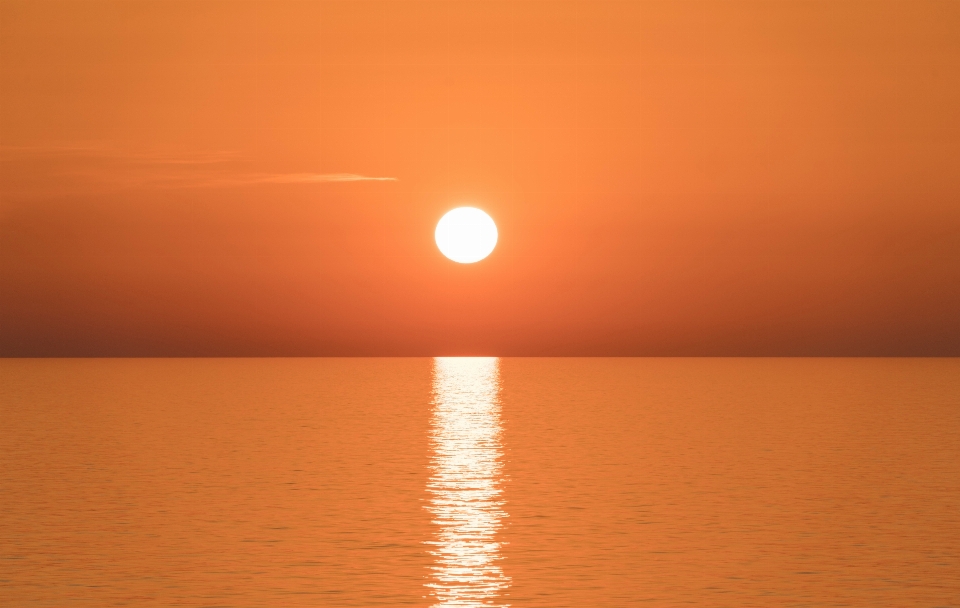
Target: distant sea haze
column 455, row 482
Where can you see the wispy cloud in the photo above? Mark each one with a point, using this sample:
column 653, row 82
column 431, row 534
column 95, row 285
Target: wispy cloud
column 247, row 179
column 85, row 167
column 313, row 178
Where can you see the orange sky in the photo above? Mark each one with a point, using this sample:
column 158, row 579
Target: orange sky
column 702, row 178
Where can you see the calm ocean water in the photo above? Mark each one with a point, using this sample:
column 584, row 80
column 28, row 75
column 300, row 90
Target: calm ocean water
column 480, row 482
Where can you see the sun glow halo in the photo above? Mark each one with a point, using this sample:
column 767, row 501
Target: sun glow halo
column 466, row 235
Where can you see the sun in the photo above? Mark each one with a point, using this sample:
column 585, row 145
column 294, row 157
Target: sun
column 466, row 235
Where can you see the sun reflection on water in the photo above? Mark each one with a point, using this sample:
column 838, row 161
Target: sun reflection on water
column 465, row 482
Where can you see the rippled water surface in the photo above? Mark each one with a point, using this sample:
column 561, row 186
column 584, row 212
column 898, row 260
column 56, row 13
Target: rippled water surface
column 480, row 482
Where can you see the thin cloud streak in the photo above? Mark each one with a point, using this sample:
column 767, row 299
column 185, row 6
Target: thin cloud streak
column 278, row 178
column 311, row 178
column 83, row 167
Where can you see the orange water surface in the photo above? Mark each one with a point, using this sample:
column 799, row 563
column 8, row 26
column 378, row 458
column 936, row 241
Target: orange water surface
column 480, row 482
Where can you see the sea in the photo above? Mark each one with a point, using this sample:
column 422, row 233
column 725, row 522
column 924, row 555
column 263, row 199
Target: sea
column 468, row 482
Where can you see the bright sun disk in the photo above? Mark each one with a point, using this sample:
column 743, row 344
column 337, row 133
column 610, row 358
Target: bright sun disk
column 466, row 235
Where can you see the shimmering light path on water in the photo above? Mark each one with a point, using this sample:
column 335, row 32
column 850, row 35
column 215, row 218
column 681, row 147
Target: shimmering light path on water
column 522, row 482
column 464, row 487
